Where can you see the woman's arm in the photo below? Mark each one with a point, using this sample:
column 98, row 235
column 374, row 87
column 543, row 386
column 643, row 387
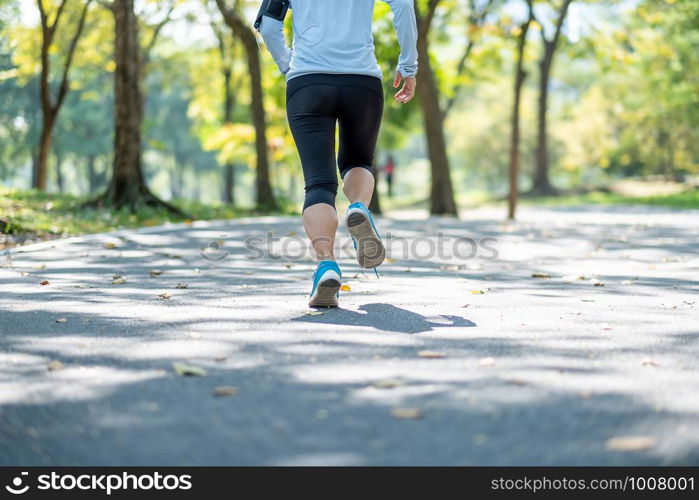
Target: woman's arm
column 272, row 31
column 406, row 28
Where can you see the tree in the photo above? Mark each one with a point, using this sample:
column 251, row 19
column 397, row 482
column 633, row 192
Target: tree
column 128, row 187
column 227, row 55
column 248, row 39
column 542, row 184
column 520, row 76
column 442, row 192
column 51, row 106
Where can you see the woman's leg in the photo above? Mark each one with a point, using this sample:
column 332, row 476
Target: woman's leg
column 320, row 221
column 358, row 185
column 311, row 113
column 361, row 109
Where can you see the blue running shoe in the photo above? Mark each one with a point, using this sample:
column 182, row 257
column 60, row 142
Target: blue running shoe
column 327, row 281
column 370, row 250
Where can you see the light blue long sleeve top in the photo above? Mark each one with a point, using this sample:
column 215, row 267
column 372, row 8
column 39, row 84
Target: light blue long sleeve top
column 335, row 36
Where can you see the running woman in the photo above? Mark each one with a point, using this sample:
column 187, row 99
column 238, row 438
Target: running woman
column 333, row 77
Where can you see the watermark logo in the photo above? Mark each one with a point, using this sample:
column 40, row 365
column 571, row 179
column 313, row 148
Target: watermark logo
column 16, row 487
column 440, row 246
column 214, row 252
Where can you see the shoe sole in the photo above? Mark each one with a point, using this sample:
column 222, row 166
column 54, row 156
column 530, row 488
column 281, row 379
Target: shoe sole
column 326, row 293
column 370, row 250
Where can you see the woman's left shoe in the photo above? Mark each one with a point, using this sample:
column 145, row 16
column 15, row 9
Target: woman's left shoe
column 327, row 281
column 360, row 224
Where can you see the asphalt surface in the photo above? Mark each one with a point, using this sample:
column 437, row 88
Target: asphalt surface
column 570, row 338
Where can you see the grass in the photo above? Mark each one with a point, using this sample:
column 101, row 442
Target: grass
column 685, row 199
column 31, row 215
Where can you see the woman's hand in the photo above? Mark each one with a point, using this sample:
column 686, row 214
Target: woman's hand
column 405, row 94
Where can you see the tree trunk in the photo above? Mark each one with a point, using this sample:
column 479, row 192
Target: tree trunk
column 127, row 187
column 91, row 174
column 542, row 184
column 265, row 198
column 375, row 204
column 229, row 168
column 442, row 193
column 520, row 76
column 240, row 28
column 41, row 169
column 59, row 173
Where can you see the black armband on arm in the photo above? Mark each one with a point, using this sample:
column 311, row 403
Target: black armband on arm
column 276, row 9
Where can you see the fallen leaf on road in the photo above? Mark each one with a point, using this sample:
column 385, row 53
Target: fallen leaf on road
column 649, row 362
column 182, row 286
column 188, row 370
column 345, row 288
column 486, row 362
column 431, row 354
column 541, row 275
column 407, row 413
column 61, row 320
column 478, row 292
column 165, row 296
column 54, row 365
column 630, row 443
column 45, row 282
column 110, row 245
column 155, row 272
column 225, row 390
column 517, row 382
column 388, row 383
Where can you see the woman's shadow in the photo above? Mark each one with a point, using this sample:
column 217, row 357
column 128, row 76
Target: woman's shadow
column 386, row 317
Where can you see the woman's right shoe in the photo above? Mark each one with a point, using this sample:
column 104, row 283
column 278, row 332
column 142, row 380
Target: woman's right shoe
column 327, row 281
column 370, row 250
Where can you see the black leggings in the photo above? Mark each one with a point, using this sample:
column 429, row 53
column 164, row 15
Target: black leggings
column 314, row 104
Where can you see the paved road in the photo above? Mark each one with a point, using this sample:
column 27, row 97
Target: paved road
column 594, row 362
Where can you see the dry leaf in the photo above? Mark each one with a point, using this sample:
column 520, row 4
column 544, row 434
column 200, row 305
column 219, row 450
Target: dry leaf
column 182, row 286
column 477, row 292
column 630, row 443
column 165, row 296
column 516, row 381
column 188, row 370
column 54, row 365
column 45, row 282
column 431, row 354
column 541, row 275
column 486, row 362
column 388, row 383
column 225, row 390
column 345, row 288
column 110, row 245
column 407, row 413
column 155, row 272
column 61, row 320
